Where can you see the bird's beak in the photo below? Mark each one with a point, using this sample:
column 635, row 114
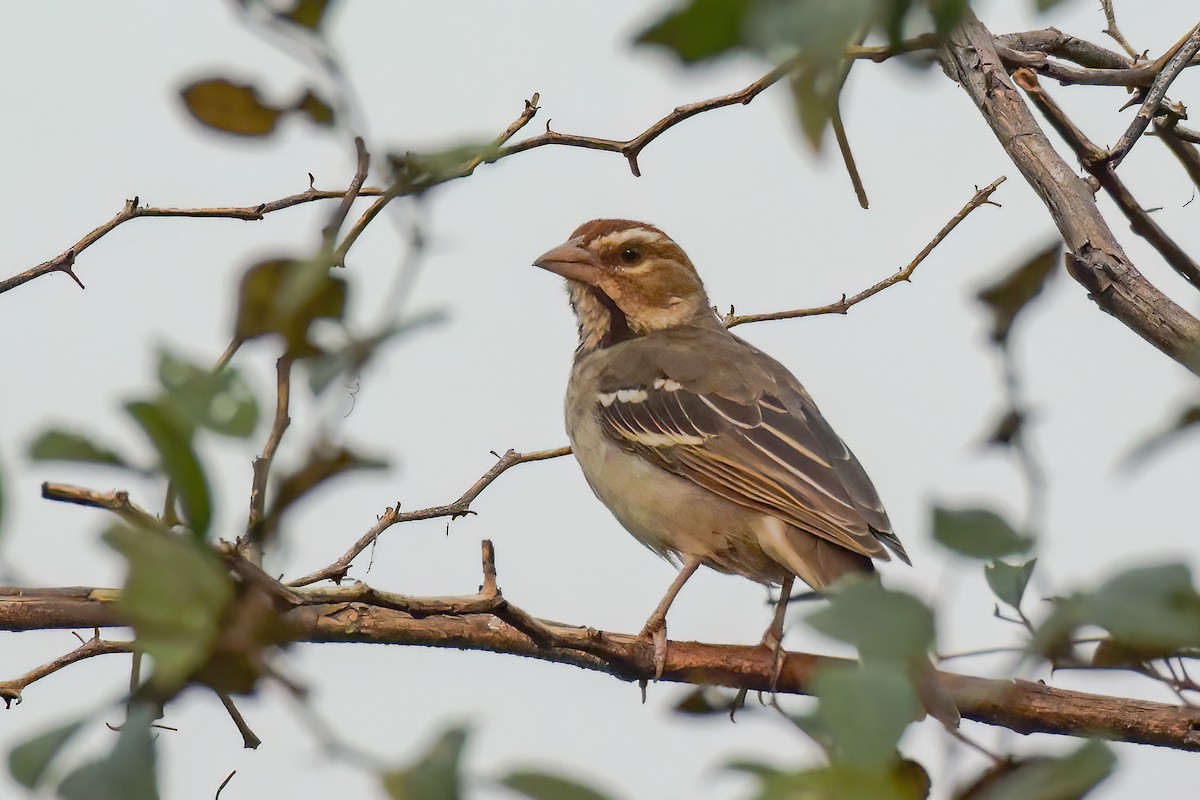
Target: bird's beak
column 571, row 260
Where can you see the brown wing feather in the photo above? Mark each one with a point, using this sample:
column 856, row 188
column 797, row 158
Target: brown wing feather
column 759, row 454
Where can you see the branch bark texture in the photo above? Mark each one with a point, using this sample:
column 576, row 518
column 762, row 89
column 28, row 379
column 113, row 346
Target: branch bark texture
column 1095, row 258
column 1021, row 706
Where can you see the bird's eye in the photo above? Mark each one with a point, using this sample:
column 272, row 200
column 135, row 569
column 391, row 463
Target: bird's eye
column 630, row 255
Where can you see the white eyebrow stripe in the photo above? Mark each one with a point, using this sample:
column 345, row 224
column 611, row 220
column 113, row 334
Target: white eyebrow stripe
column 799, row 448
column 799, row 474
column 627, row 237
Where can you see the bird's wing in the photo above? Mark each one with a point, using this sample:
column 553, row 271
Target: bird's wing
column 756, row 438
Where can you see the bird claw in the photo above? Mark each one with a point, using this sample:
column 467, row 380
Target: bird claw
column 656, row 632
column 775, row 648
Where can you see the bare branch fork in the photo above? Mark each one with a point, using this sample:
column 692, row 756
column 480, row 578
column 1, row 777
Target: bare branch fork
column 487, row 621
column 1095, row 257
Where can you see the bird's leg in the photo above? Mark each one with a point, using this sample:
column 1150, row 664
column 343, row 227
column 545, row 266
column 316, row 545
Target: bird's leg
column 773, row 638
column 656, row 627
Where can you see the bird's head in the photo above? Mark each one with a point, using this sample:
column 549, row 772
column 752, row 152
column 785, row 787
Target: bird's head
column 627, row 279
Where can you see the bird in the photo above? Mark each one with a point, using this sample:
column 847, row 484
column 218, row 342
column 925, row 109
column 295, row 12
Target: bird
column 710, row 452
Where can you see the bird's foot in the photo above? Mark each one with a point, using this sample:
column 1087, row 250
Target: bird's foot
column 774, row 646
column 656, row 631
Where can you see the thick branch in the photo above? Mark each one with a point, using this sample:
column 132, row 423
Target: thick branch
column 1097, row 259
column 1018, row 705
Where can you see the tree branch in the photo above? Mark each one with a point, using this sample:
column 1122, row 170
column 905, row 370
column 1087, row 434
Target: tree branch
column 255, row 536
column 842, row 306
column 1095, row 257
column 10, row 690
column 458, row 508
column 461, row 623
column 65, row 262
column 1100, row 165
column 1168, row 68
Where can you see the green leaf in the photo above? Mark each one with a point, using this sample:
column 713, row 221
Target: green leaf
column 28, row 761
column 701, row 30
column 174, row 597
column 307, row 13
column 59, row 445
column 127, row 773
column 171, row 436
column 231, row 107
column 865, row 709
column 1150, row 612
column 434, row 776
column 418, row 172
column 285, row 297
column 1066, row 778
column 1046, row 5
column 1008, row 581
column 1009, row 295
column 977, row 533
column 544, row 786
column 1156, row 608
column 880, row 622
column 220, row 401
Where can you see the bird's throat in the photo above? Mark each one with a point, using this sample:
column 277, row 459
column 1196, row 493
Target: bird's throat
column 601, row 323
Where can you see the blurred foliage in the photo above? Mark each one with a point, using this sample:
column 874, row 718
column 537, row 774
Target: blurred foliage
column 1008, row 296
column 174, row 597
column 881, row 623
column 435, row 775
column 127, row 772
column 238, row 108
column 977, row 533
column 1148, row 612
column 285, row 297
column 902, row 780
column 1008, row 581
column 54, row 444
column 29, row 761
column 1187, row 420
column 1068, row 777
column 545, row 786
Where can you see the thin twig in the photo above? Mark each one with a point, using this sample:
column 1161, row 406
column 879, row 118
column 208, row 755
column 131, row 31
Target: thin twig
column 1113, row 31
column 363, row 164
column 10, row 690
column 65, row 262
column 1176, row 139
column 982, row 196
column 392, row 516
column 117, row 502
column 249, row 739
column 254, row 538
column 1169, row 65
column 401, row 188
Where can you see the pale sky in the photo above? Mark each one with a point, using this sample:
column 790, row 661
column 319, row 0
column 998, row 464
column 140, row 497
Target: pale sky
column 907, row 378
